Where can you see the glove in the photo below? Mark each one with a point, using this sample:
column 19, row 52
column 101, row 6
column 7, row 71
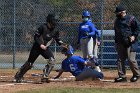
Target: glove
column 64, row 45
column 86, row 34
column 94, row 60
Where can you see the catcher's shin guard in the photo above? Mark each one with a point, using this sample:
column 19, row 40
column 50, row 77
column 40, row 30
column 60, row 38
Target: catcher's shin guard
column 46, row 72
column 19, row 75
column 48, row 68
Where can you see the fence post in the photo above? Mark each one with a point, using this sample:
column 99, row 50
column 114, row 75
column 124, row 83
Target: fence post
column 102, row 14
column 14, row 35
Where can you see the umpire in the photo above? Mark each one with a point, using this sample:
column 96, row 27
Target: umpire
column 126, row 34
column 43, row 38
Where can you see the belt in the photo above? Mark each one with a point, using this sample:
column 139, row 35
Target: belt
column 86, row 37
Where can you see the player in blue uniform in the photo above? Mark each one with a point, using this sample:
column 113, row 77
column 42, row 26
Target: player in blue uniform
column 77, row 66
column 88, row 37
column 87, row 34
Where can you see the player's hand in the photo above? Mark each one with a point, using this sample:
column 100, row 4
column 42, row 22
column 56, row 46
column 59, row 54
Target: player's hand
column 86, row 34
column 56, row 77
column 98, row 43
column 43, row 47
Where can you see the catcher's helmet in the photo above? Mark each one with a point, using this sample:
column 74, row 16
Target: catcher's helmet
column 68, row 50
column 86, row 14
column 51, row 19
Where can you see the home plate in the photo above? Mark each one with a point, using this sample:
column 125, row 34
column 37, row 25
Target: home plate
column 105, row 80
column 61, row 79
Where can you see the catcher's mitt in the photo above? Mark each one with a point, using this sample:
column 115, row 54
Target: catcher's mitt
column 67, row 49
column 64, row 49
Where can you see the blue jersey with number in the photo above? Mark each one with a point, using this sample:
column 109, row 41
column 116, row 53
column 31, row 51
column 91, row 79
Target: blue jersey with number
column 73, row 64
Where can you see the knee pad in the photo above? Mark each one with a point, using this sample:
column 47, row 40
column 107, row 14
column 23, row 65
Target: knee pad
column 48, row 68
column 51, row 61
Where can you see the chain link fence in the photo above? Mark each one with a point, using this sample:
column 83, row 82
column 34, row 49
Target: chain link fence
column 19, row 19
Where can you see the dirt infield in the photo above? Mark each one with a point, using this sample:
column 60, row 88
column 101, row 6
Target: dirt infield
column 6, row 86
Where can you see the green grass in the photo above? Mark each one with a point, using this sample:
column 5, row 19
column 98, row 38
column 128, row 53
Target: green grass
column 83, row 90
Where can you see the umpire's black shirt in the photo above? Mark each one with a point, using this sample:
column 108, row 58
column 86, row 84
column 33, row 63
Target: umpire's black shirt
column 127, row 24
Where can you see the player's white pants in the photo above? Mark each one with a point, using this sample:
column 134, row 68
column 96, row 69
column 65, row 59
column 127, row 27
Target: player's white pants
column 95, row 48
column 87, row 47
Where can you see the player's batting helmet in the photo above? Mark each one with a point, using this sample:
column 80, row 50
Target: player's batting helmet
column 86, row 14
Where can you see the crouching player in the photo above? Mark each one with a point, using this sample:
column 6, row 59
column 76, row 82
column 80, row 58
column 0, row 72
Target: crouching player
column 76, row 65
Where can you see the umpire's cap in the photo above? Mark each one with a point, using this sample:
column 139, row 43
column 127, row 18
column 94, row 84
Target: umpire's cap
column 119, row 9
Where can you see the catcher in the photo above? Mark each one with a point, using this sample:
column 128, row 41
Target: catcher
column 43, row 38
column 76, row 65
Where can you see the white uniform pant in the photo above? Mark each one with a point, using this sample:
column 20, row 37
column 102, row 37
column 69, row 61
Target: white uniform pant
column 95, row 48
column 87, row 47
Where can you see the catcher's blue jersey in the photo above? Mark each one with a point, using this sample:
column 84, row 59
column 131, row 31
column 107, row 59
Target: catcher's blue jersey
column 73, row 64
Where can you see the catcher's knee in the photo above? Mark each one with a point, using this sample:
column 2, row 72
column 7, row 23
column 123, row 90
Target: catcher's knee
column 51, row 61
column 48, row 68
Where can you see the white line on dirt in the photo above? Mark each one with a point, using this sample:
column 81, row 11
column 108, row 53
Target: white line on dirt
column 12, row 84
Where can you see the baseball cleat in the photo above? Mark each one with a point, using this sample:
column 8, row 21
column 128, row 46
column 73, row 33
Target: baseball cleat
column 18, row 80
column 134, row 78
column 120, row 79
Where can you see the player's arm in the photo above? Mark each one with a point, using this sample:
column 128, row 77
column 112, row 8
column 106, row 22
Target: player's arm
column 38, row 36
column 39, row 39
column 59, row 73
column 86, row 63
column 63, row 66
column 97, row 32
column 134, row 28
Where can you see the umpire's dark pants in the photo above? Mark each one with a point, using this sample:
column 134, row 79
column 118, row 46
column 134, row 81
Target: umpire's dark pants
column 123, row 54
